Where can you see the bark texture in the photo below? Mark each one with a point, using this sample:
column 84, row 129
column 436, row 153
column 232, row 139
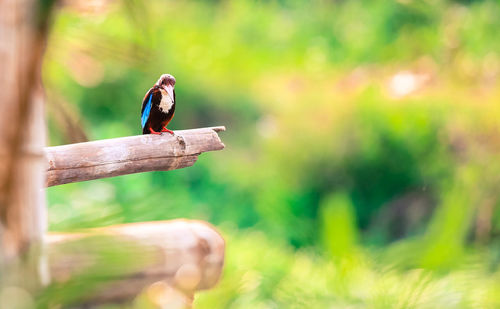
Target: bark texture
column 128, row 155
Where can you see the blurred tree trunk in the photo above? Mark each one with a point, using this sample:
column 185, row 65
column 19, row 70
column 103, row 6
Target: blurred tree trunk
column 23, row 27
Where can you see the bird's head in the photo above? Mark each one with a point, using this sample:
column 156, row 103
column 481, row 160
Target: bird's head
column 167, row 82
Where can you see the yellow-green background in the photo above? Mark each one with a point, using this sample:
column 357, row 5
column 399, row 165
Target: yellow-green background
column 361, row 167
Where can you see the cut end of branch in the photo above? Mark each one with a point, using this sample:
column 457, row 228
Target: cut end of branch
column 219, row 129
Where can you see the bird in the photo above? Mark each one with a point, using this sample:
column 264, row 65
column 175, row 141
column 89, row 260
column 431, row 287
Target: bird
column 158, row 106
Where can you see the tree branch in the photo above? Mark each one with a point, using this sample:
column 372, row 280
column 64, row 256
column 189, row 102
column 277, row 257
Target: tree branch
column 128, row 155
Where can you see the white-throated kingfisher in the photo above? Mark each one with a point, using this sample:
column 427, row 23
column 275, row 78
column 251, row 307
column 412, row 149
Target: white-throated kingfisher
column 158, row 106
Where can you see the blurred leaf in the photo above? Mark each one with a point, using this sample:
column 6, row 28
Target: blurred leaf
column 338, row 224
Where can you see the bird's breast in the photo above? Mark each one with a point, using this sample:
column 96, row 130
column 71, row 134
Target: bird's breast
column 166, row 102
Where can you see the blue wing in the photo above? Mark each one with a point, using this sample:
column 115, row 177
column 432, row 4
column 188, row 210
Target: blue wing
column 147, row 110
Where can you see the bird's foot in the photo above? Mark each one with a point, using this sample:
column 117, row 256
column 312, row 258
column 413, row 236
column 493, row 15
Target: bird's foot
column 154, row 132
column 167, row 130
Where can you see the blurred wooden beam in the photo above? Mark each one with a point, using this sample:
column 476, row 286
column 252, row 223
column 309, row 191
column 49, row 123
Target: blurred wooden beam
column 128, row 155
column 116, row 263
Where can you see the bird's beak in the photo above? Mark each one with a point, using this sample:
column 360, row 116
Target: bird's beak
column 170, row 90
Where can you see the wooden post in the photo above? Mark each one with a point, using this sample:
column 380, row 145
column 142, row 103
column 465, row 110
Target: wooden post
column 23, row 27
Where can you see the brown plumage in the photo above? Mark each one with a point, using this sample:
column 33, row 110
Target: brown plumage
column 158, row 106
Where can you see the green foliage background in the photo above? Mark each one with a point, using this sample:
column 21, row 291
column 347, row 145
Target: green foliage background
column 361, row 163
